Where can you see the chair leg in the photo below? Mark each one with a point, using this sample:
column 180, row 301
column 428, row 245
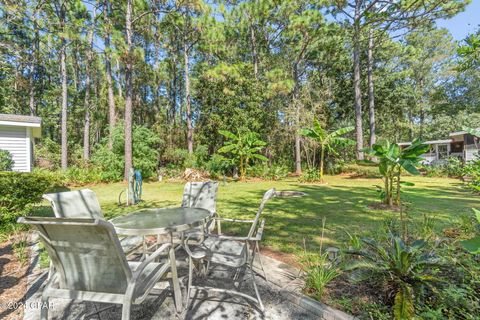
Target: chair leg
column 44, row 308
column 257, row 293
column 189, row 285
column 257, row 247
column 176, row 286
column 127, row 305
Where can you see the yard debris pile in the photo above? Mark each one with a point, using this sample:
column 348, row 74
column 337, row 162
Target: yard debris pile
column 191, row 174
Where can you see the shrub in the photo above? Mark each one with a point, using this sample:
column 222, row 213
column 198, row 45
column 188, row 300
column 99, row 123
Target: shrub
column 21, row 190
column 310, row 175
column 218, row 165
column 407, row 270
column 83, row 175
column 472, row 171
column 6, row 161
column 110, row 164
column 145, row 153
column 451, row 167
column 47, row 154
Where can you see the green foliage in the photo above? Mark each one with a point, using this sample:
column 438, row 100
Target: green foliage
column 6, row 161
column 20, row 191
column 327, row 141
column 268, row 172
column 473, row 245
column 472, row 172
column 451, row 167
column 319, row 272
column 310, row 175
column 145, row 154
column 469, row 52
column 243, row 147
column 392, row 161
column 47, row 154
column 407, row 270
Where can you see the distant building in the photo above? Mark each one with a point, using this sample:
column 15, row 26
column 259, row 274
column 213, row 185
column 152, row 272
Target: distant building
column 461, row 144
column 16, row 136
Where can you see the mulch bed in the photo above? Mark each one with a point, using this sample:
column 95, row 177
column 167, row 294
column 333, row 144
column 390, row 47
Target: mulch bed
column 13, row 283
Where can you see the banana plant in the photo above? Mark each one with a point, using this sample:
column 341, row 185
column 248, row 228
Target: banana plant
column 327, row 141
column 393, row 160
column 407, row 269
column 473, row 245
column 243, row 146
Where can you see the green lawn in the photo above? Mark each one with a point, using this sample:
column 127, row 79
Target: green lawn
column 343, row 201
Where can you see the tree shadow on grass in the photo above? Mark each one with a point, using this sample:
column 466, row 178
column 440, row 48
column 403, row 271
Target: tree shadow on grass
column 291, row 220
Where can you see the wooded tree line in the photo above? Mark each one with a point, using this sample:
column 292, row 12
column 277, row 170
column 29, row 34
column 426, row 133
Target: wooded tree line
column 187, row 69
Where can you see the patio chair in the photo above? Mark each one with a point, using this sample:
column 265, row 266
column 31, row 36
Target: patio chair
column 75, row 204
column 84, row 204
column 90, row 264
column 231, row 251
column 201, row 195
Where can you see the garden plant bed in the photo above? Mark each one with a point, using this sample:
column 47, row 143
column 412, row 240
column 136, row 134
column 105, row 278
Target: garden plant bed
column 13, row 283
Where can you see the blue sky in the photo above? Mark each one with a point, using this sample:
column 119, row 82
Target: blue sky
column 465, row 22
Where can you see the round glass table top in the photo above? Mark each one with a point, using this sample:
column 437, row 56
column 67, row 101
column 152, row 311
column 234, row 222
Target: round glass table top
column 160, row 221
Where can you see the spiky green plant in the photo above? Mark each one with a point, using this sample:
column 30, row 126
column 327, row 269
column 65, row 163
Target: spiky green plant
column 407, row 269
column 327, row 141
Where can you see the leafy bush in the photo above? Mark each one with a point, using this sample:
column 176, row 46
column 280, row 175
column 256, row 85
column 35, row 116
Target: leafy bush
column 273, row 172
column 145, row 153
column 111, row 164
column 408, row 271
column 47, row 154
column 6, row 161
column 21, row 190
column 472, row 171
column 310, row 175
column 319, row 272
column 218, row 165
column 83, row 175
column 451, row 167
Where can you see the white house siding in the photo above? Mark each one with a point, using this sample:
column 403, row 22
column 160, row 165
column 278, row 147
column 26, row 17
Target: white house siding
column 471, row 152
column 16, row 141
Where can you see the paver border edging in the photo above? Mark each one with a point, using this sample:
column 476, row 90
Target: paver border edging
column 312, row 306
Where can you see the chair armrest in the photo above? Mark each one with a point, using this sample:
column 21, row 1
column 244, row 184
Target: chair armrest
column 150, row 259
column 234, row 220
column 259, row 235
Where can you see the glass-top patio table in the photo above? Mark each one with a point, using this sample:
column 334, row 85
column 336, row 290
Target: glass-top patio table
column 162, row 221
column 159, row 221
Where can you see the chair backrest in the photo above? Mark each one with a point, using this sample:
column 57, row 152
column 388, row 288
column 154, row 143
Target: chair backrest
column 75, row 204
column 85, row 253
column 267, row 196
column 201, row 195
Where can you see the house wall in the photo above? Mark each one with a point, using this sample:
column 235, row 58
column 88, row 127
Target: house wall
column 17, row 141
column 471, row 152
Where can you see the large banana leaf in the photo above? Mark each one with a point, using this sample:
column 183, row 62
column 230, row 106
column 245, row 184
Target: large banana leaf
column 228, row 134
column 403, row 308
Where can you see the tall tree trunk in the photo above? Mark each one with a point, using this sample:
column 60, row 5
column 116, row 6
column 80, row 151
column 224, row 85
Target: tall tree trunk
column 31, row 90
column 63, row 73
column 112, row 118
column 128, row 90
column 86, row 128
column 254, row 51
column 296, row 102
column 422, row 107
column 356, row 81
column 187, row 97
column 371, row 95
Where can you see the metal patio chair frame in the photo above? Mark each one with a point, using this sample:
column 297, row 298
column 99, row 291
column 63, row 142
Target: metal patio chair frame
column 90, row 264
column 209, row 248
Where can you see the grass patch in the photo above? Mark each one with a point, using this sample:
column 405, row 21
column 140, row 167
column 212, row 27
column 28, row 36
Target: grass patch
column 344, row 201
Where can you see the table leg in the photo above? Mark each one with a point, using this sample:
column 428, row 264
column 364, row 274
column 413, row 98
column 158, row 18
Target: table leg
column 177, row 293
